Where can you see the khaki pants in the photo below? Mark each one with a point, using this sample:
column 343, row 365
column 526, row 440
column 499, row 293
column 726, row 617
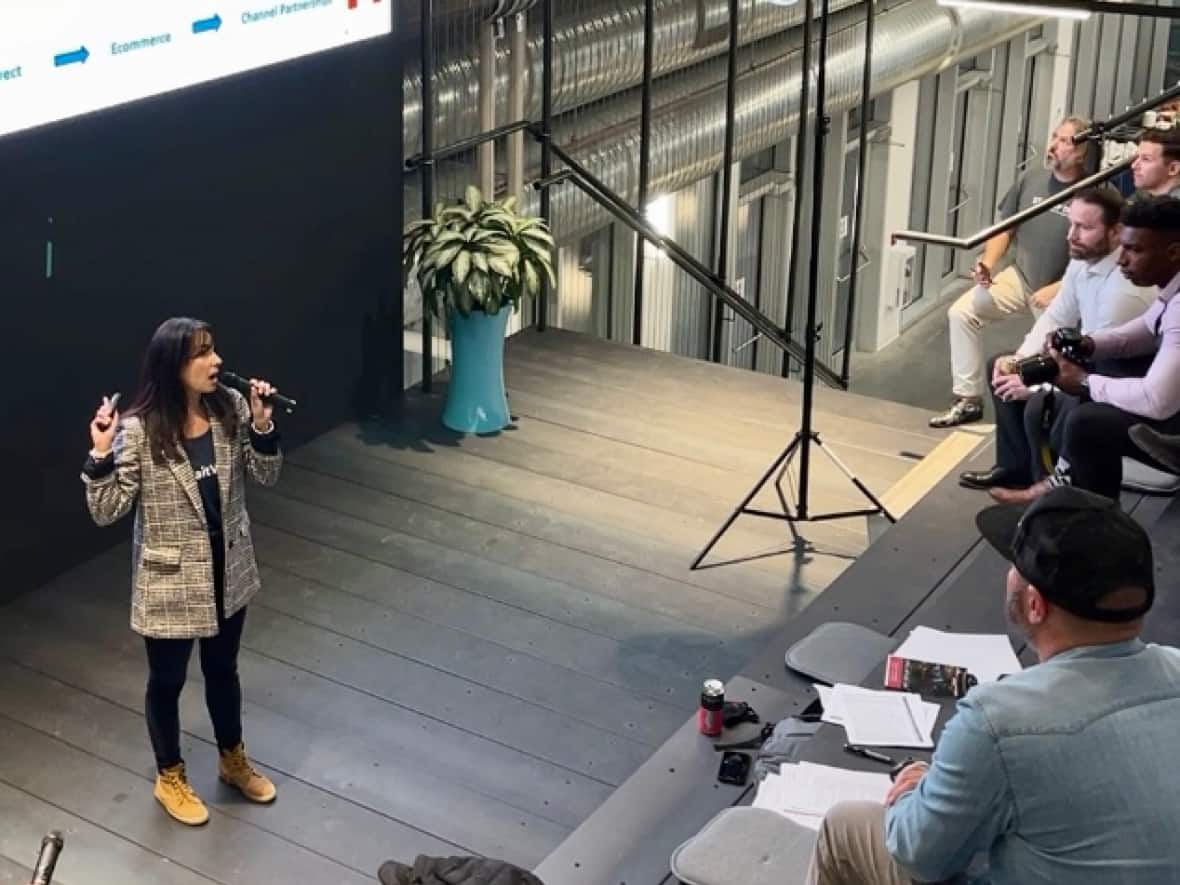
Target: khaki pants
column 976, row 308
column 851, row 848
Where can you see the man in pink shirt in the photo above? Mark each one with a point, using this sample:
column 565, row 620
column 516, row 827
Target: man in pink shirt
column 1091, row 438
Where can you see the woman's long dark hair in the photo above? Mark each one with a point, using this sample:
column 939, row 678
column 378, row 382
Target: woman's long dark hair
column 161, row 402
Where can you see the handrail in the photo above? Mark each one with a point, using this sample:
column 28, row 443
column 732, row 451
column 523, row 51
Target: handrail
column 620, row 209
column 917, row 236
column 1104, row 7
column 1098, row 129
column 465, row 144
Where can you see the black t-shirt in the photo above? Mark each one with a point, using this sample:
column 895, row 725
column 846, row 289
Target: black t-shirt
column 200, row 455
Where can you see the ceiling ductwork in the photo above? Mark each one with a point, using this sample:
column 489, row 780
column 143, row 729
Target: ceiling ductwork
column 688, row 123
column 597, row 52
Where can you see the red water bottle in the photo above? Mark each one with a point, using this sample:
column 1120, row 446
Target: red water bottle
column 711, row 715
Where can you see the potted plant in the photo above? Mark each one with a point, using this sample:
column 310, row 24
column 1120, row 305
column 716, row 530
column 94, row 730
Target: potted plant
column 476, row 260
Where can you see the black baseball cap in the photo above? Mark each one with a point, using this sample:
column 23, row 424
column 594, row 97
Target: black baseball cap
column 1075, row 547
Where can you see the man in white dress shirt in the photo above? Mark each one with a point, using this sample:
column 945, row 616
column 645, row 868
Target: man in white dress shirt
column 1094, row 295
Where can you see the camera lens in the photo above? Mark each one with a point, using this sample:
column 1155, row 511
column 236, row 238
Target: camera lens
column 1039, row 369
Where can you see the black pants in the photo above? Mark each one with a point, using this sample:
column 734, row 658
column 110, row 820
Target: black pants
column 1024, row 426
column 168, row 667
column 1019, row 433
column 1091, row 440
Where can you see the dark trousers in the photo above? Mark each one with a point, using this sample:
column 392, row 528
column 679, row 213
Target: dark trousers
column 168, row 667
column 1091, row 440
column 1024, row 428
column 1020, row 432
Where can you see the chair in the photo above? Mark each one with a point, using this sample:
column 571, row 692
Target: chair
column 1140, row 477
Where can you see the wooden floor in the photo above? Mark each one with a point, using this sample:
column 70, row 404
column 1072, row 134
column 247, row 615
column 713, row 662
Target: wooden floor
column 463, row 644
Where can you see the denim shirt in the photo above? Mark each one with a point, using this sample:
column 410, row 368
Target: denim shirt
column 1066, row 772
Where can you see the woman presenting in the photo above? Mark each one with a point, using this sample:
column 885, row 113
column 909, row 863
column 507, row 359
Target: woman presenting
column 180, row 455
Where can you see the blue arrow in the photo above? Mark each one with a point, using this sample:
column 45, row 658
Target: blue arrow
column 207, row 24
column 78, row 56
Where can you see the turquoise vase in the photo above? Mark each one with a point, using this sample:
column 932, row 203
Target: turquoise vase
column 476, row 401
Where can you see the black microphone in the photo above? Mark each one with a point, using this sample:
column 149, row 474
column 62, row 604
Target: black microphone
column 277, row 399
column 47, row 859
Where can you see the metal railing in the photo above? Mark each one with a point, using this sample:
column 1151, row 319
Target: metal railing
column 1097, row 131
column 1062, row 196
column 714, row 281
column 576, row 174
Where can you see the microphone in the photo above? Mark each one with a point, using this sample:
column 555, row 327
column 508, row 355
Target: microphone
column 231, row 380
column 47, row 859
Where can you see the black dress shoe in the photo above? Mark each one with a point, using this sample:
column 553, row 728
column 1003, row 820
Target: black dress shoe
column 996, row 477
column 1163, row 448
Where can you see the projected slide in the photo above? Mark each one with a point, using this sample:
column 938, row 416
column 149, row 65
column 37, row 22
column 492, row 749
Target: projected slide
column 62, row 58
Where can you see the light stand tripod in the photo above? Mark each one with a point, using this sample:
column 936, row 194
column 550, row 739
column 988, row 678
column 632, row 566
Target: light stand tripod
column 801, row 444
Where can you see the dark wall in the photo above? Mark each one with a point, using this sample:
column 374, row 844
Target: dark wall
column 268, row 204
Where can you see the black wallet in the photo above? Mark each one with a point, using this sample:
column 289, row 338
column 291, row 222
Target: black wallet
column 735, row 768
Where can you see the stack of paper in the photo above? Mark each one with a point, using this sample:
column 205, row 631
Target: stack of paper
column 805, row 792
column 986, row 656
column 880, row 718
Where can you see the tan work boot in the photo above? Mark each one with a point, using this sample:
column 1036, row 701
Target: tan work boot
column 178, row 798
column 235, row 769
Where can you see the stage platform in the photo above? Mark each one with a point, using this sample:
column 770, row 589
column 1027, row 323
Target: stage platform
column 463, row 645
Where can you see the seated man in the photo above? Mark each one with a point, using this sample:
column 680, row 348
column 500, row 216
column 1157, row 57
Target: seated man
column 1094, row 295
column 1039, row 257
column 1156, row 167
column 1058, row 773
column 1090, row 435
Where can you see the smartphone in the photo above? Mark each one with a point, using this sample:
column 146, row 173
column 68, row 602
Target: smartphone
column 735, row 768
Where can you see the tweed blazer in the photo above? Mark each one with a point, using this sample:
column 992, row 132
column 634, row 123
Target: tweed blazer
column 172, row 594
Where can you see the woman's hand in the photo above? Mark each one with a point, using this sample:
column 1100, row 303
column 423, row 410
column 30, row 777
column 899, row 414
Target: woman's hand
column 103, row 426
column 260, row 410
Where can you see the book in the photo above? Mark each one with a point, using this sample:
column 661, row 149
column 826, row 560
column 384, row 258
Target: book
column 926, row 678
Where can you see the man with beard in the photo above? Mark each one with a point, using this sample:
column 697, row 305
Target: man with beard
column 1091, row 438
column 1060, row 773
column 1094, row 295
column 1039, row 256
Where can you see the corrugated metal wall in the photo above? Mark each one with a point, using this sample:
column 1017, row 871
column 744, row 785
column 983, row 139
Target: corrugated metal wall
column 675, row 308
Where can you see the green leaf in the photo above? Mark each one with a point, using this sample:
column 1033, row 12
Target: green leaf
column 463, row 299
column 501, row 266
column 532, row 279
column 426, row 281
column 449, row 236
column 505, row 249
column 547, row 265
column 474, row 198
column 442, row 254
column 480, row 260
column 461, row 266
column 539, row 236
column 479, row 286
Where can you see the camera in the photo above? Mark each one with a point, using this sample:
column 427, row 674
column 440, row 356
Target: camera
column 1042, row 368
